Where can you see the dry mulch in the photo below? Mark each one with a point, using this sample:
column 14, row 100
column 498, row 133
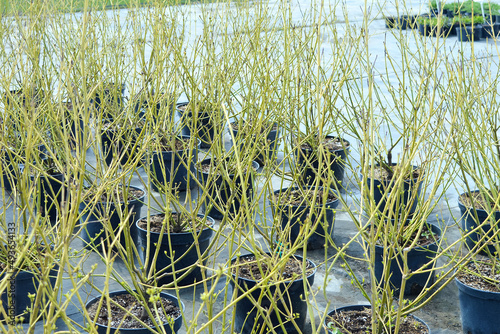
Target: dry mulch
column 303, row 197
column 477, row 200
column 132, row 193
column 380, row 173
column 331, row 144
column 249, row 268
column 249, row 125
column 359, row 322
column 481, row 275
column 124, row 319
column 177, row 144
column 186, row 224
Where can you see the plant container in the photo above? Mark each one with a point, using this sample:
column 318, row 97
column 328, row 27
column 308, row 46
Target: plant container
column 264, row 149
column 50, row 195
column 109, row 101
column 330, row 330
column 479, row 309
column 469, row 33
column 469, row 222
column 292, row 217
column 178, row 252
column 289, row 299
column 175, row 168
column 119, row 146
column 96, row 218
column 334, row 160
column 202, row 127
column 407, row 197
column 417, row 258
column 169, row 328
column 225, row 191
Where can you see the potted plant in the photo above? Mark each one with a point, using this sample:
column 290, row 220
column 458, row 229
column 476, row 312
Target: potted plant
column 108, row 100
column 435, row 26
column 227, row 185
column 106, row 212
column 48, row 174
column 316, row 158
column 173, row 162
column 469, row 28
column 121, row 139
column 201, row 119
column 270, row 290
column 157, row 107
column 263, row 142
column 30, row 269
column 73, row 122
column 171, row 245
column 305, row 215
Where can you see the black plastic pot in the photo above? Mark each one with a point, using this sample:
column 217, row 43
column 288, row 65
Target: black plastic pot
column 10, row 169
column 416, row 258
column 169, row 328
column 335, row 160
column 143, row 107
column 25, row 283
column 203, row 128
column 265, row 149
column 479, row 309
column 75, row 127
column 490, row 30
column 408, row 196
column 470, row 222
column 223, row 192
column 249, row 320
column 50, row 194
column 178, row 252
column 469, row 33
column 115, row 146
column 174, row 168
column 361, row 308
column 92, row 218
column 292, row 218
column 109, row 101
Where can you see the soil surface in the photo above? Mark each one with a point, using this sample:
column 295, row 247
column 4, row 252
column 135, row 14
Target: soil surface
column 132, row 193
column 299, row 197
column 331, row 144
column 359, row 322
column 178, row 224
column 249, row 268
column 124, row 319
column 380, row 173
column 231, row 167
column 477, row 200
column 481, row 275
column 169, row 145
column 425, row 238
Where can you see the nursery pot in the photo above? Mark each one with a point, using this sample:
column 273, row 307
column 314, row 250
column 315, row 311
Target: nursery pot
column 10, row 169
column 143, row 107
column 50, row 193
column 225, row 193
column 360, row 308
column 416, row 258
column 75, row 127
column 469, row 33
column 109, row 101
column 407, row 197
column 288, row 296
column 92, row 217
column 479, row 309
column 21, row 284
column 174, row 167
column 177, row 251
column 203, row 127
column 292, row 217
column 169, row 328
column 333, row 160
column 116, row 146
column 470, row 222
column 264, row 149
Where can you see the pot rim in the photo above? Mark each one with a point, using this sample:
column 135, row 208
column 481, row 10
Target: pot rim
column 470, row 208
column 423, row 248
column 273, row 283
column 180, row 304
column 415, row 167
column 344, row 149
column 283, row 190
column 197, row 146
column 140, row 199
column 207, row 227
column 461, row 286
column 255, row 164
column 356, row 306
